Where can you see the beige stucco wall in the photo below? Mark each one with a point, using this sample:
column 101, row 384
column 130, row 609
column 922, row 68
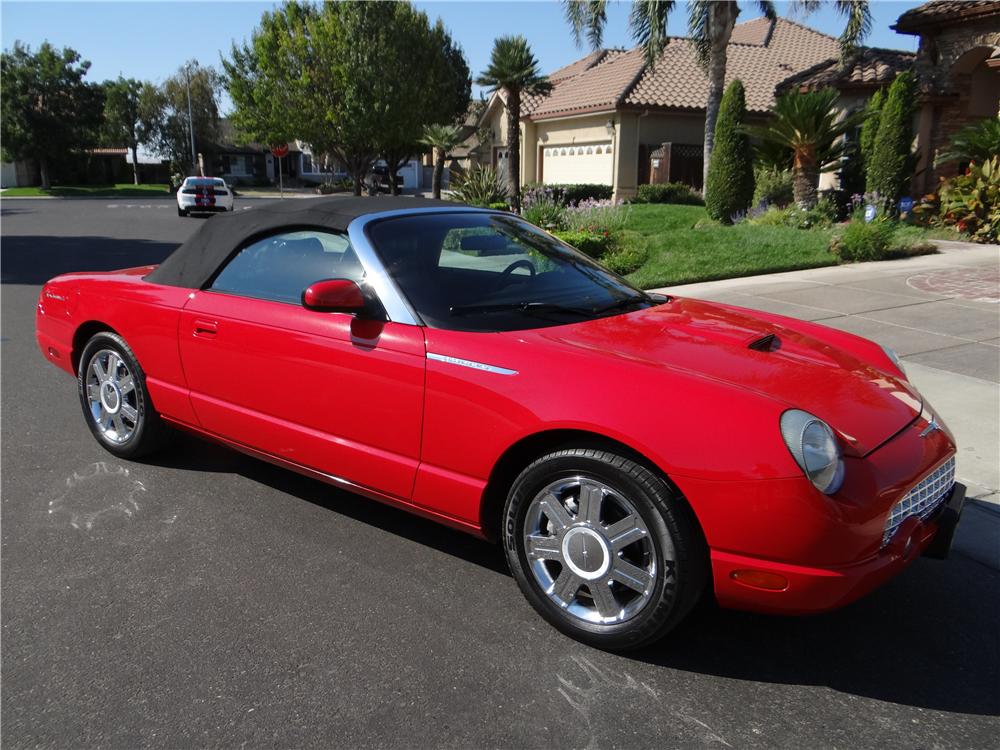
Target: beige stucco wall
column 568, row 136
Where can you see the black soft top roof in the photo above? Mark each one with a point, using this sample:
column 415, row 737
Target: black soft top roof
column 196, row 261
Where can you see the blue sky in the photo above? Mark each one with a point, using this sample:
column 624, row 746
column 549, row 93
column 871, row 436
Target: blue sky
column 149, row 40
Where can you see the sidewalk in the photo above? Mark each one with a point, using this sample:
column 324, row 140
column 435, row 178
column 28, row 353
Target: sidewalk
column 941, row 313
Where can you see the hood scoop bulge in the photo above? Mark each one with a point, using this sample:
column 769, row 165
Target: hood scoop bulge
column 767, row 343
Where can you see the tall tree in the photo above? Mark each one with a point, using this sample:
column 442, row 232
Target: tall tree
column 890, row 166
column 729, row 188
column 710, row 24
column 265, row 76
column 47, row 110
column 168, row 110
column 125, row 119
column 807, row 123
column 513, row 70
column 353, row 79
column 422, row 59
column 441, row 138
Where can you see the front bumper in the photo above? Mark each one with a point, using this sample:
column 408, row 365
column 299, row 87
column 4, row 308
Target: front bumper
column 811, row 590
column 781, row 546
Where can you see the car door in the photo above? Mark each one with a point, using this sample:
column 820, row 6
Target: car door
column 325, row 390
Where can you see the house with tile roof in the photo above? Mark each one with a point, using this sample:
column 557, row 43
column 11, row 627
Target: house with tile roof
column 612, row 119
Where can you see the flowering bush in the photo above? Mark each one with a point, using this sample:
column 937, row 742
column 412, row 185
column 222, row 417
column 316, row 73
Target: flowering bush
column 597, row 216
column 542, row 206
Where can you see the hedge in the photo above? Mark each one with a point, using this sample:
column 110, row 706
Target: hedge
column 668, row 192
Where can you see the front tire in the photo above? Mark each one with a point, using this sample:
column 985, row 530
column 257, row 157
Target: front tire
column 115, row 401
column 603, row 548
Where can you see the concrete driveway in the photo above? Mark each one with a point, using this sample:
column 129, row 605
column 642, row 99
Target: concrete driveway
column 941, row 313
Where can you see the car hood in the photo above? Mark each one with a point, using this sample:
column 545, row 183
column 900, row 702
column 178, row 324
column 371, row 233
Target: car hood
column 866, row 405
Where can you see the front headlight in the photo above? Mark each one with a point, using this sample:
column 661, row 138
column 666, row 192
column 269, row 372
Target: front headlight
column 814, row 448
column 891, row 354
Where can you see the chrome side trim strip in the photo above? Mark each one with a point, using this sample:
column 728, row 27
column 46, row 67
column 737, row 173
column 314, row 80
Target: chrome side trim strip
column 396, row 305
column 470, row 364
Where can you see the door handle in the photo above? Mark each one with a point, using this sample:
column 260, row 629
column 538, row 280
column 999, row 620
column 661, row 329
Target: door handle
column 205, row 328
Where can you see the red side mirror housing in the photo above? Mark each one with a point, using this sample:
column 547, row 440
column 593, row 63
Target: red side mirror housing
column 334, row 295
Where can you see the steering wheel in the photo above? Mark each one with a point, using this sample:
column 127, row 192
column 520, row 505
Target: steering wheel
column 522, row 263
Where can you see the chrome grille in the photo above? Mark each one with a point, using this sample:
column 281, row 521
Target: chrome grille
column 923, row 499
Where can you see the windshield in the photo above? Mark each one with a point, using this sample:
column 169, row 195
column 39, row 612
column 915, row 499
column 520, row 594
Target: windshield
column 495, row 272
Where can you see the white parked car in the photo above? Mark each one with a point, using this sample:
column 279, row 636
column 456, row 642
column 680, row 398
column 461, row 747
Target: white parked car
column 204, row 195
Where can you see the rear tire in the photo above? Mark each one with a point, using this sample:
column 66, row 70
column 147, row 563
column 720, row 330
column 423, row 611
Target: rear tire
column 603, row 548
column 181, row 212
column 114, row 398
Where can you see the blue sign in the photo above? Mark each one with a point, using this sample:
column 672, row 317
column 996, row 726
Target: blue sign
column 905, row 205
column 870, row 212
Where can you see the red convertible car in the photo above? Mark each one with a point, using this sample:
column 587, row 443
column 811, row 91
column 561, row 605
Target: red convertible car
column 630, row 451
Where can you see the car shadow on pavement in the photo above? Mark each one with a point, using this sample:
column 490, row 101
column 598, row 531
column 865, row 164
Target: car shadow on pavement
column 926, row 639
column 36, row 259
column 193, row 454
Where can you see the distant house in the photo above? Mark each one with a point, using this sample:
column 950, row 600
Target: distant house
column 241, row 162
column 958, row 66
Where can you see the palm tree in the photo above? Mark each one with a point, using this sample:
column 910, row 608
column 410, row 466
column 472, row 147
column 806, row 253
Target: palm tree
column 806, row 123
column 710, row 24
column 514, row 70
column 976, row 142
column 441, row 138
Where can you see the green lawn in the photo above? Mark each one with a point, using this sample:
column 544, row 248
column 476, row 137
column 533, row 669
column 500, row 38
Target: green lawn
column 680, row 252
column 124, row 190
column 684, row 246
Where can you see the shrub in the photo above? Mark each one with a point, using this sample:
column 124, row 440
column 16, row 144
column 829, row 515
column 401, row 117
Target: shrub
column 772, row 186
column 729, row 187
column 822, row 215
column 499, row 206
column 600, row 217
column 976, row 143
column 574, row 193
column 541, row 206
column 668, row 192
column 480, row 186
column 971, row 202
column 889, row 168
column 864, row 241
column 627, row 253
column 589, row 243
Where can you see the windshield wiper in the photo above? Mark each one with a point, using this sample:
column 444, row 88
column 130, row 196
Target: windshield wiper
column 623, row 303
column 528, row 307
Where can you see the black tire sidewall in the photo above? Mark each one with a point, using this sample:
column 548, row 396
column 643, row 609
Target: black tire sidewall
column 140, row 440
column 672, row 595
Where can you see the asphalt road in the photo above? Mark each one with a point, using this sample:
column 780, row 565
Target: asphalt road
column 207, row 599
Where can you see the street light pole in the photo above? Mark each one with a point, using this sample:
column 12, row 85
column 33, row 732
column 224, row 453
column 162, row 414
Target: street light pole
column 194, row 154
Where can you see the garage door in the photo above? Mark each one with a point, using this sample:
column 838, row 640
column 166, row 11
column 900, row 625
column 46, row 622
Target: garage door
column 578, row 163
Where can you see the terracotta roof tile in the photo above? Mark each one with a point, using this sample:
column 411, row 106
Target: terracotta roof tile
column 871, row 67
column 761, row 53
column 678, row 81
column 944, row 12
column 601, row 85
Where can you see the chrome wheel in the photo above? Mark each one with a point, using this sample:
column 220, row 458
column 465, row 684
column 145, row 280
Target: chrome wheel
column 590, row 551
column 112, row 397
